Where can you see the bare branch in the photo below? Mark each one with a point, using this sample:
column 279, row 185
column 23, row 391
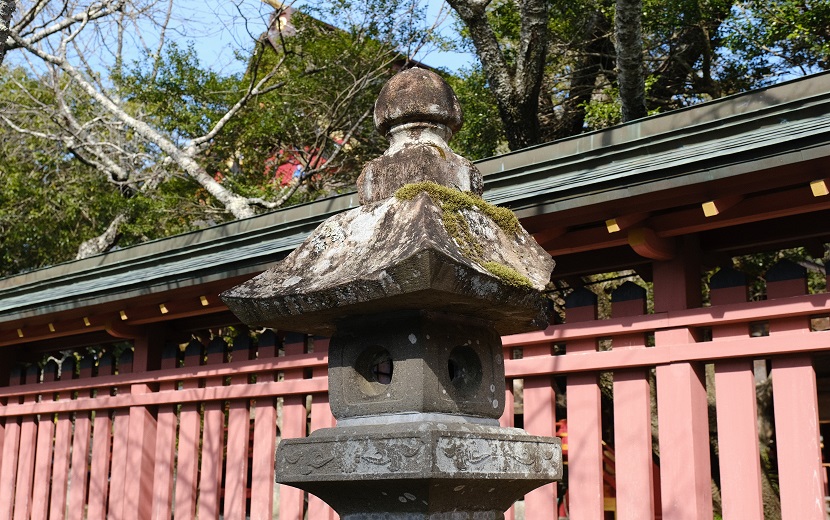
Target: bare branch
column 94, row 12
column 253, row 90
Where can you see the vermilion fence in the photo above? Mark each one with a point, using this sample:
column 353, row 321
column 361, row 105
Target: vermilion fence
column 196, row 438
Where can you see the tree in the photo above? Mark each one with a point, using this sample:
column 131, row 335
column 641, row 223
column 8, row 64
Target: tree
column 606, row 62
column 628, row 29
column 164, row 120
column 514, row 68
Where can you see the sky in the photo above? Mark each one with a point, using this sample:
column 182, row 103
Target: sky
column 221, row 27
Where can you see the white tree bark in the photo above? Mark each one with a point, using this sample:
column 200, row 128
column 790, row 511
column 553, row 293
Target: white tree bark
column 102, row 242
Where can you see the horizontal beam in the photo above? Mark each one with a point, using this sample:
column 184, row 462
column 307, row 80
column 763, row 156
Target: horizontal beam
column 812, row 304
column 751, row 348
column 312, row 360
column 193, row 395
column 110, row 320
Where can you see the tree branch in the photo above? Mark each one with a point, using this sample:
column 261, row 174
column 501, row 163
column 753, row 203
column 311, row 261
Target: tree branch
column 238, row 206
column 95, row 11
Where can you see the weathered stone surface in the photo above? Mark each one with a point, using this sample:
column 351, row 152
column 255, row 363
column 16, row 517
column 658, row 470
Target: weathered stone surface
column 417, row 96
column 419, row 112
column 420, row 470
column 430, row 362
column 396, row 255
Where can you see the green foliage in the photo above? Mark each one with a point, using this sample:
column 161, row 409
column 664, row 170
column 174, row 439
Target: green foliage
column 777, row 37
column 483, row 133
column 45, row 207
column 176, row 93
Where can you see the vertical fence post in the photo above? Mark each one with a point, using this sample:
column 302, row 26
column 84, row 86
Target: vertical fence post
column 80, row 454
column 239, row 427
column 165, row 442
column 737, row 415
column 120, row 442
column 28, row 448
column 63, row 445
column 584, row 420
column 43, row 456
column 795, row 400
column 682, row 408
column 213, row 439
column 99, row 471
column 11, row 445
column 632, row 413
column 187, row 468
column 140, row 456
column 293, row 425
column 321, row 417
column 265, row 438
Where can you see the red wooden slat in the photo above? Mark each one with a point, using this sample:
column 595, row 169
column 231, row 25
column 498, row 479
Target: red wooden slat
column 632, row 434
column 236, row 471
column 187, row 372
column 740, row 467
column 584, row 430
column 165, row 444
column 163, row 473
column 265, row 439
column 8, row 470
column 100, row 465
column 800, row 474
column 43, row 468
column 140, row 456
column 695, row 317
column 25, row 466
column 321, row 417
column 262, row 474
column 60, row 469
column 79, row 467
column 293, row 425
column 187, row 469
column 239, row 427
column 213, row 440
column 119, row 466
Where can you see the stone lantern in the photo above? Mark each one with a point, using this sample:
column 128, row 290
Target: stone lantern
column 415, row 287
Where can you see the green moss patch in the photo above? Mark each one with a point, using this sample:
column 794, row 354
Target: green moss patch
column 508, row 274
column 456, row 200
column 452, row 202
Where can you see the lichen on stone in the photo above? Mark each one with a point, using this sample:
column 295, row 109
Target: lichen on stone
column 508, row 274
column 452, row 202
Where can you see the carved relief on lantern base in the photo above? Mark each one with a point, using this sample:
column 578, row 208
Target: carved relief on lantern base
column 419, row 469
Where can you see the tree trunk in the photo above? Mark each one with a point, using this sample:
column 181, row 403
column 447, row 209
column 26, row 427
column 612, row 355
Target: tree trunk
column 6, row 10
column 516, row 86
column 630, row 72
column 102, row 242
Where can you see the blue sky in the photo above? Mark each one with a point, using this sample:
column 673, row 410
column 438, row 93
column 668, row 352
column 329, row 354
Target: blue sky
column 218, row 28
